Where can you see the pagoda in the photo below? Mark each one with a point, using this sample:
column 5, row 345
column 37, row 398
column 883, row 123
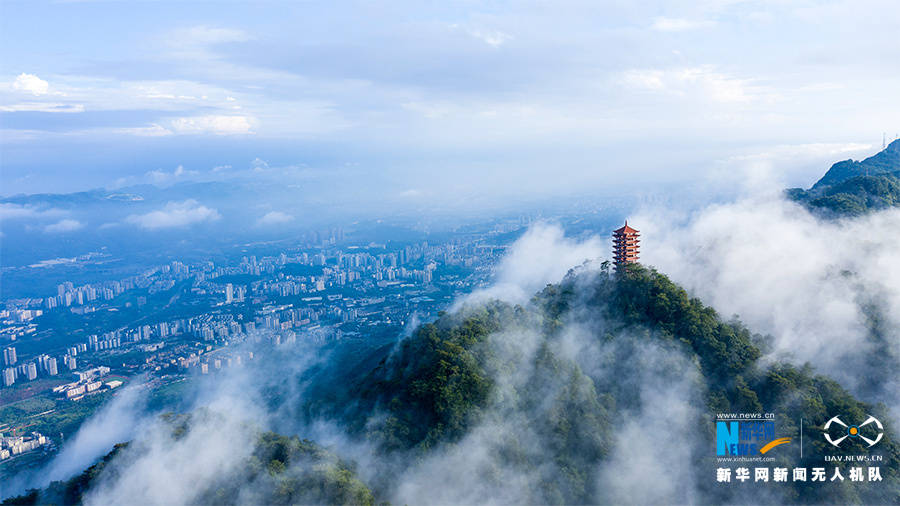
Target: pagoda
column 626, row 245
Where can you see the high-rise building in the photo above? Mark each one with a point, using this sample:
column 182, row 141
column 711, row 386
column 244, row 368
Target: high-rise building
column 31, row 371
column 9, row 376
column 229, row 293
column 626, row 245
column 9, row 356
column 52, row 369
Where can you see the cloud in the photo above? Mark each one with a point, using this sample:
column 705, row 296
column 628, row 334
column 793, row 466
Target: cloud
column 411, row 193
column 662, row 395
column 116, row 422
column 670, row 402
column 703, row 82
column 259, row 165
column 42, row 107
column 17, row 211
column 664, row 24
column 66, row 225
column 275, row 218
column 493, row 38
column 213, row 124
column 174, row 214
column 350, row 86
column 159, row 176
column 774, row 167
column 542, row 255
column 162, row 470
column 30, row 83
column 153, row 130
column 207, row 35
column 795, row 151
column 818, row 287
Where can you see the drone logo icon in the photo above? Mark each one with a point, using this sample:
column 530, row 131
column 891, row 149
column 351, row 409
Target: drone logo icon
column 853, row 431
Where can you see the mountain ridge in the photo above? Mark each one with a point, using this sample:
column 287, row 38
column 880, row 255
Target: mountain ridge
column 855, row 188
column 886, row 161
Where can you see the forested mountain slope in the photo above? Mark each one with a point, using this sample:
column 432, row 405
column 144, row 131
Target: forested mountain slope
column 562, row 400
column 852, row 188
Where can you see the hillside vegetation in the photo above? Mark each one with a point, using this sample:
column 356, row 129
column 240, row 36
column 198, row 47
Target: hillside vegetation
column 547, row 414
column 280, row 470
column 441, row 382
column 852, row 188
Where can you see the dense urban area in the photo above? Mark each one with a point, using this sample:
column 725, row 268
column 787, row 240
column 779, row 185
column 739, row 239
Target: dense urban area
column 70, row 350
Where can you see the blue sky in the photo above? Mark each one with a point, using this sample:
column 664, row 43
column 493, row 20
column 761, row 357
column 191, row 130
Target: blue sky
column 422, row 98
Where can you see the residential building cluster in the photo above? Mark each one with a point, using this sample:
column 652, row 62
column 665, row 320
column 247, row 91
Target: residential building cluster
column 13, row 445
column 87, row 382
column 297, row 296
column 42, row 365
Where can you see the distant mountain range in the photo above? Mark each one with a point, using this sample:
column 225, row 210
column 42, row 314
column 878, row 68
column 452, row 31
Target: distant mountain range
column 853, row 188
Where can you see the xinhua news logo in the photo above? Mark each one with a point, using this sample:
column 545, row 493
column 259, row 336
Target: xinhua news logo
column 745, row 438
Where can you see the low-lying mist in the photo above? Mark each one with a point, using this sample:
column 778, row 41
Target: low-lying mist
column 827, row 292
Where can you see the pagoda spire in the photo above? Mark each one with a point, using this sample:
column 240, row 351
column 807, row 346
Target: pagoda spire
column 626, row 245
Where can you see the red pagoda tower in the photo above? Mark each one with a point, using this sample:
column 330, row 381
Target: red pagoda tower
column 626, row 245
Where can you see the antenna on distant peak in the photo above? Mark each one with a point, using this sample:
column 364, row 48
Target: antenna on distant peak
column 883, row 140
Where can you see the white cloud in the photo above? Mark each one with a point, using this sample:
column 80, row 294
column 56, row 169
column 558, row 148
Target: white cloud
column 542, row 255
column 207, row 35
column 275, row 218
column 664, row 24
column 807, row 282
column 148, row 131
column 16, row 211
column 42, row 107
column 559, row 60
column 703, row 81
column 30, row 83
column 66, row 225
column 174, row 214
column 159, row 176
column 644, row 79
column 771, row 168
column 493, row 38
column 213, row 124
column 816, row 149
column 80, row 93
column 118, row 420
column 259, row 165
column 411, row 193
